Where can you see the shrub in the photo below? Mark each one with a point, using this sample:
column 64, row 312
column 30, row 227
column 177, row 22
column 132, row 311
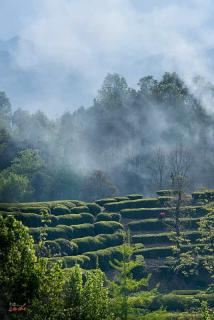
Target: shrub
column 72, row 219
column 121, row 198
column 143, row 213
column 163, row 193
column 203, row 195
column 81, row 209
column 162, row 238
column 164, row 199
column 83, row 230
column 135, row 196
column 107, row 227
column 32, row 209
column 155, row 253
column 94, row 208
column 52, row 233
column 67, row 247
column 172, row 302
column 30, row 220
column 149, row 239
column 103, row 257
column 60, row 210
column 71, row 261
column 158, row 225
column 108, row 217
column 102, row 202
column 67, row 230
column 53, row 247
column 152, row 213
column 98, row 242
column 141, row 203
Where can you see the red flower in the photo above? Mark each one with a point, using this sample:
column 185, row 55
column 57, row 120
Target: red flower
column 162, row 214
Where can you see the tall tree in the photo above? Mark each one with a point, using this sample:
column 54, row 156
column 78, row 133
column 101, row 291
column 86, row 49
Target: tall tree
column 5, row 111
column 98, row 186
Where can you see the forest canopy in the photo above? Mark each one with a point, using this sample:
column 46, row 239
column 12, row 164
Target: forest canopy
column 119, row 145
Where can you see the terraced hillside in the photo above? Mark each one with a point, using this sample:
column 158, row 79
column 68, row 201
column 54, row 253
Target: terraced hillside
column 151, row 221
column 76, row 231
column 90, row 232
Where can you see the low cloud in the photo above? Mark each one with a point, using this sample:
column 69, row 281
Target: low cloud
column 84, row 40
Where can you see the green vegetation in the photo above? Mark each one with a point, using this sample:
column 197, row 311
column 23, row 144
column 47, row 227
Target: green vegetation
column 144, row 203
column 95, row 240
column 108, row 217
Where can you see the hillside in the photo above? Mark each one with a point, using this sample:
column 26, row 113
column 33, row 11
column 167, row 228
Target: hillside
column 91, row 234
column 82, row 232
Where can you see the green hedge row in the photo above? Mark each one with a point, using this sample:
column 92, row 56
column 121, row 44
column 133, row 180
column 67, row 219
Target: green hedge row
column 60, row 210
column 107, row 227
column 36, row 207
column 162, row 238
column 166, row 200
column 168, row 192
column 135, row 196
column 143, row 213
column 61, row 247
column 33, row 220
column 94, row 208
column 181, row 303
column 141, row 203
column 37, row 210
column 156, row 252
column 108, row 217
column 203, row 195
column 158, row 225
column 103, row 258
column 67, row 247
column 78, row 231
column 89, row 260
column 72, row 219
column 152, row 213
column 121, row 198
column 98, row 242
column 66, row 232
column 80, row 209
column 102, row 202
column 71, row 261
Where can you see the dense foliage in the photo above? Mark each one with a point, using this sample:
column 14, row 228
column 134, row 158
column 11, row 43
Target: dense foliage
column 121, row 144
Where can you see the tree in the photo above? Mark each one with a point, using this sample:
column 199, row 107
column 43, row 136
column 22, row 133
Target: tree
column 179, row 165
column 171, row 90
column 8, row 148
column 124, row 283
column 14, row 187
column 113, row 92
column 47, row 302
column 18, row 279
column 88, row 299
column 206, row 229
column 5, row 111
column 98, row 186
column 27, row 163
column 147, row 86
column 25, row 278
column 158, row 168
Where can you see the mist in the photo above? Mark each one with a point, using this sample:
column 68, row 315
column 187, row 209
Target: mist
column 97, row 89
column 64, row 49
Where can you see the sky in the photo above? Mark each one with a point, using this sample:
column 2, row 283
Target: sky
column 66, row 47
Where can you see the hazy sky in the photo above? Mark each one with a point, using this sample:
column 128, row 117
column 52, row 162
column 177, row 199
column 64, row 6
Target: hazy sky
column 68, row 46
